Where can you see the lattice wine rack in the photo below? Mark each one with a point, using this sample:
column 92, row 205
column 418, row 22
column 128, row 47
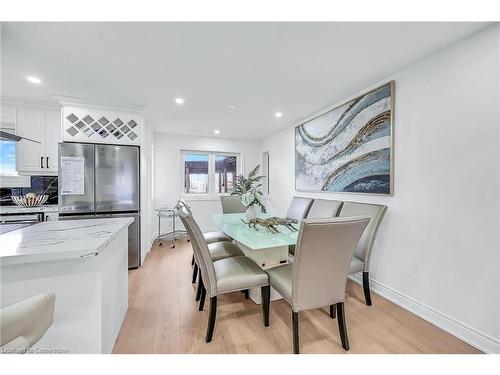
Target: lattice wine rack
column 95, row 126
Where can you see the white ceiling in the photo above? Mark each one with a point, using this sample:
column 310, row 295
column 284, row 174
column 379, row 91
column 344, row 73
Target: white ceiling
column 261, row 68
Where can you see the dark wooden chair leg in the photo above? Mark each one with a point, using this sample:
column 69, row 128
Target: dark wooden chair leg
column 198, row 290
column 245, row 292
column 366, row 288
column 195, row 273
column 192, row 260
column 211, row 319
column 202, row 296
column 342, row 325
column 332, row 312
column 265, row 292
column 295, row 324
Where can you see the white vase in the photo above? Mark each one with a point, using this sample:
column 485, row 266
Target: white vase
column 251, row 212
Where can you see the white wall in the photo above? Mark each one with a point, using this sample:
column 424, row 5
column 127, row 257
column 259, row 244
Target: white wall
column 147, row 222
column 437, row 251
column 167, row 171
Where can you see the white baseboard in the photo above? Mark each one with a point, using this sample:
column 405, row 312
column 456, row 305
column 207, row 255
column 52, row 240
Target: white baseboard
column 150, row 245
column 477, row 339
column 151, row 241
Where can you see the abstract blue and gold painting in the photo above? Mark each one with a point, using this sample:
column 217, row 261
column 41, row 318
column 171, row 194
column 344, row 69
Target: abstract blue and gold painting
column 348, row 148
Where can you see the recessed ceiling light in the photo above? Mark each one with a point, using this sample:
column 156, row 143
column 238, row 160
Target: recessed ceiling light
column 278, row 114
column 179, row 101
column 34, row 80
column 216, row 131
column 232, row 106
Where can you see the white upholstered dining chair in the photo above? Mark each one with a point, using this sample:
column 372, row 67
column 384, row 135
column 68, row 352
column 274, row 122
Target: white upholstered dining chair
column 210, row 236
column 361, row 258
column 24, row 323
column 299, row 207
column 218, row 250
column 318, row 275
column 226, row 275
column 231, row 204
column 324, row 208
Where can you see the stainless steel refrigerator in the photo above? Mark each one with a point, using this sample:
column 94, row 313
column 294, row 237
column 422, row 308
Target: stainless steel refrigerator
column 107, row 186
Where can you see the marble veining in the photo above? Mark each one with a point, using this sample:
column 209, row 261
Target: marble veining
column 39, row 185
column 52, row 240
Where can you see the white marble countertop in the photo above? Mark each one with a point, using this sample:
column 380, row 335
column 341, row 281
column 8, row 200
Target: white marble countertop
column 55, row 240
column 26, row 210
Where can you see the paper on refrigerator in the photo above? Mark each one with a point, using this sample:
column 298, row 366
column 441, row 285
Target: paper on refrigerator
column 73, row 175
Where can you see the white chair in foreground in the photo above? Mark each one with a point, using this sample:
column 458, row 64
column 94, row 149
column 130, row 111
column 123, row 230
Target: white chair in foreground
column 318, row 276
column 24, row 323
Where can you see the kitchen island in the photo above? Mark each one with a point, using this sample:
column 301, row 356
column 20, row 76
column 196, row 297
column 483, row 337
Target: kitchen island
column 85, row 264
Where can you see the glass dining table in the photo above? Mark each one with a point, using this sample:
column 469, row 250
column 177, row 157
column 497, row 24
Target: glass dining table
column 267, row 249
column 263, row 247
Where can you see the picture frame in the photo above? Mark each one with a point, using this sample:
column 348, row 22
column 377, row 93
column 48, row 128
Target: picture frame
column 349, row 147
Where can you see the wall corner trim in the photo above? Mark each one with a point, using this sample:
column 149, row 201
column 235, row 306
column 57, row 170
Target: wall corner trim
column 471, row 336
column 149, row 247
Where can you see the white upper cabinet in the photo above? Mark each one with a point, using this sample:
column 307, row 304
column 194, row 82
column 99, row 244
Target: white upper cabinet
column 44, row 126
column 52, row 139
column 8, row 118
column 30, row 124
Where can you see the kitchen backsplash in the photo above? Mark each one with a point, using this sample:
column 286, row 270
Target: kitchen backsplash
column 39, row 185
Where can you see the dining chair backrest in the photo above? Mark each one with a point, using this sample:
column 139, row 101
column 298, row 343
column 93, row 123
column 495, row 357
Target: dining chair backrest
column 376, row 213
column 200, row 248
column 322, row 258
column 231, row 204
column 324, row 208
column 183, row 203
column 299, row 208
column 181, row 206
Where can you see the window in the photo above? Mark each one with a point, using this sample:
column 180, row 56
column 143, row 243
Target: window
column 209, row 173
column 8, row 158
column 195, row 174
column 225, row 173
column 8, row 171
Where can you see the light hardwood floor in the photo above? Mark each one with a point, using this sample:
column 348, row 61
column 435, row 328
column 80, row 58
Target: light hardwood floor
column 163, row 318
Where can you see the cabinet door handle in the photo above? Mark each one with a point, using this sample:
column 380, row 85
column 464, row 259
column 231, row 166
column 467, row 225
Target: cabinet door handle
column 41, row 161
column 47, row 162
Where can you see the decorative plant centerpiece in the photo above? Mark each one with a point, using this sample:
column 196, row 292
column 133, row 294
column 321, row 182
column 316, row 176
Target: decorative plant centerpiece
column 249, row 189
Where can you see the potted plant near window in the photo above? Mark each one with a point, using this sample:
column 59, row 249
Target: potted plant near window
column 249, row 189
